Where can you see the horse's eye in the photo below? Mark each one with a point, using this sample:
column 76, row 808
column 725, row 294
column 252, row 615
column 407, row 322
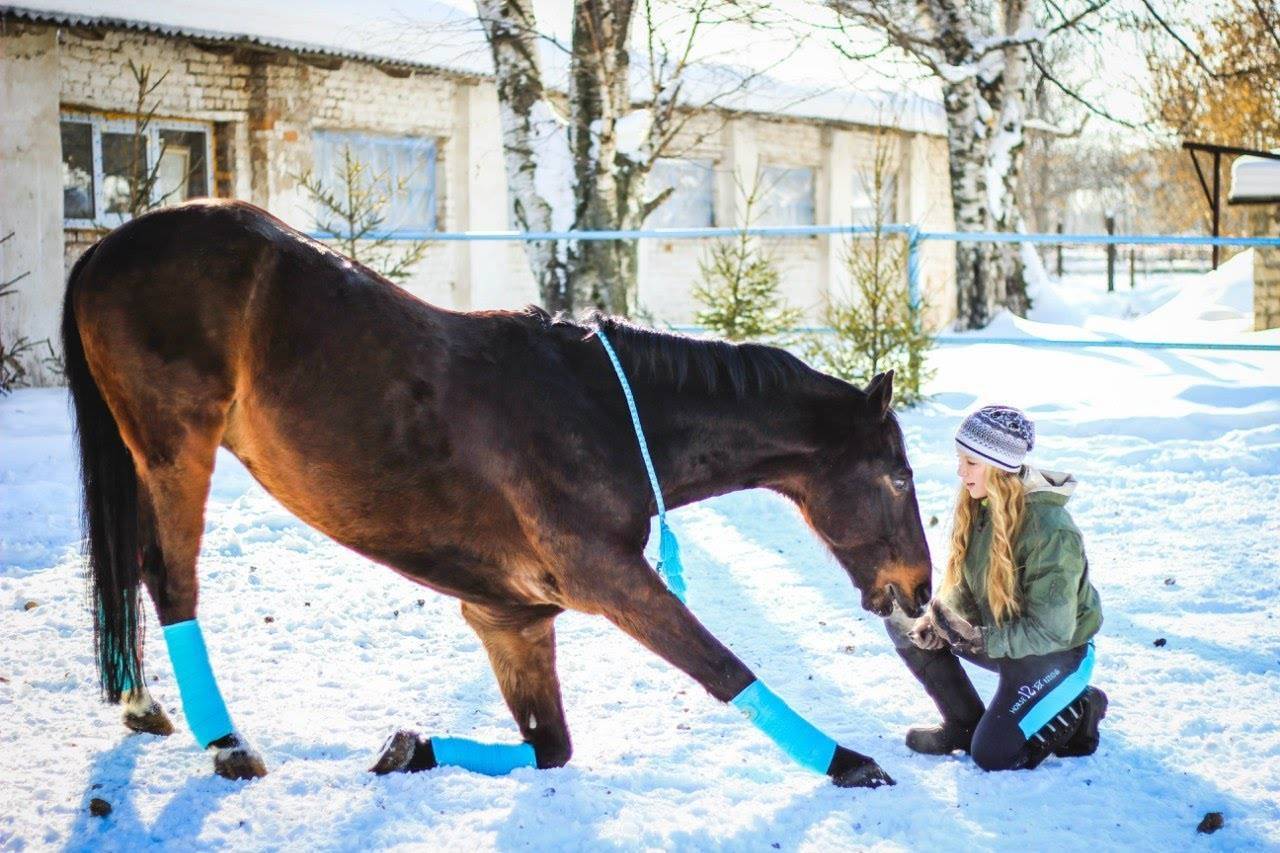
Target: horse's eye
column 901, row 481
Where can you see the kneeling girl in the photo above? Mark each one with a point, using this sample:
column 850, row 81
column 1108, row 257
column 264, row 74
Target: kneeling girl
column 1015, row 599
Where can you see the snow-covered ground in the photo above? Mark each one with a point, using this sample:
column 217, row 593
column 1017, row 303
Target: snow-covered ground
column 321, row 654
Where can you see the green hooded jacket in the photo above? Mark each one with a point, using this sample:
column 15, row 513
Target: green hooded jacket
column 1060, row 608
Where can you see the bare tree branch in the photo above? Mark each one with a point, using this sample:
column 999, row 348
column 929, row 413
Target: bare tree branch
column 1266, row 21
column 1073, row 95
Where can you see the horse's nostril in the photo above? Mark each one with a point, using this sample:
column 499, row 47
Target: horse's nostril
column 922, row 594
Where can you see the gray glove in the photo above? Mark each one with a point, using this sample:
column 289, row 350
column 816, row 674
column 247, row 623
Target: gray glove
column 922, row 635
column 953, row 628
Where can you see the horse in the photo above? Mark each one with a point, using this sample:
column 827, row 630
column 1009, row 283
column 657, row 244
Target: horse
column 486, row 455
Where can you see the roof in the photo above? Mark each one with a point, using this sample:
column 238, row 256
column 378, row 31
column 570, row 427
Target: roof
column 436, row 35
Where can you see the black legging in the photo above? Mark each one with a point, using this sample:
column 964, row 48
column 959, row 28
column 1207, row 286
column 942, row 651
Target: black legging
column 1029, row 703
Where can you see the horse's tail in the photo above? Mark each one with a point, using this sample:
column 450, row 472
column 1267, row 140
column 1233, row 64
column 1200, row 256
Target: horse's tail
column 109, row 513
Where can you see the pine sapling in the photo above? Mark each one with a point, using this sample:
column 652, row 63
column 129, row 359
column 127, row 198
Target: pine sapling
column 739, row 285
column 875, row 327
column 351, row 211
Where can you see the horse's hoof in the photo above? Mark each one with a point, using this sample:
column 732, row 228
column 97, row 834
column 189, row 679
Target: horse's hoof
column 405, row 752
column 851, row 769
column 868, row 775
column 151, row 720
column 234, row 759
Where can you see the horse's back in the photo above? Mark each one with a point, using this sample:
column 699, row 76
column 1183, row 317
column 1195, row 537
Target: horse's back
column 419, row 436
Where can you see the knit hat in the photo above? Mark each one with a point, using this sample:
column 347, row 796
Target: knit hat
column 1001, row 436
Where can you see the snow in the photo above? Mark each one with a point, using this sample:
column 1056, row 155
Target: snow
column 421, row 32
column 1178, row 455
column 1255, row 179
column 632, row 131
column 1214, row 307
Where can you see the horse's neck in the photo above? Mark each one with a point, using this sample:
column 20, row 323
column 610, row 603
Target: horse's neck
column 706, row 446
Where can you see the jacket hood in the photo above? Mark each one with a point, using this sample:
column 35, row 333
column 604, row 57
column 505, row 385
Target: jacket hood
column 1057, row 483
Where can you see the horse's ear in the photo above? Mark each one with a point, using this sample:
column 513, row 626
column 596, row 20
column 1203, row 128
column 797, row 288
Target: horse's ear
column 880, row 393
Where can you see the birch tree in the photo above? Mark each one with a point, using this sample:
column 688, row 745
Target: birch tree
column 577, row 158
column 985, row 56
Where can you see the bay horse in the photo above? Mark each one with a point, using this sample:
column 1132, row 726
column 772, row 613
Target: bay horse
column 486, row 455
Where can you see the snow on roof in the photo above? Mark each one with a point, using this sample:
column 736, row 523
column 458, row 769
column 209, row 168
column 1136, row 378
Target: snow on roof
column 370, row 30
column 1254, row 180
column 445, row 35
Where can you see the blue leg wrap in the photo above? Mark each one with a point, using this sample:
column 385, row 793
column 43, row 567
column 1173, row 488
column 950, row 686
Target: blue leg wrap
column 491, row 759
column 202, row 704
column 796, row 736
column 1052, row 703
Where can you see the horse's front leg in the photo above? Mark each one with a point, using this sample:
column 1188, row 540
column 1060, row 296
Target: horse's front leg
column 632, row 596
column 520, row 641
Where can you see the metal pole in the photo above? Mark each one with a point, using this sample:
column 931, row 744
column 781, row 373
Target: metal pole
column 913, row 273
column 1217, row 205
column 1111, row 255
column 1059, row 252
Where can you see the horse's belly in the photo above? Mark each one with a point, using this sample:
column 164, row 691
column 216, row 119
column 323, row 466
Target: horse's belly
column 460, row 542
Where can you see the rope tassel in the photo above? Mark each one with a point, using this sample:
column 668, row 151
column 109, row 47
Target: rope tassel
column 669, row 565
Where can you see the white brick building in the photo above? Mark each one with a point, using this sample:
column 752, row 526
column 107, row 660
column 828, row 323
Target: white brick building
column 240, row 115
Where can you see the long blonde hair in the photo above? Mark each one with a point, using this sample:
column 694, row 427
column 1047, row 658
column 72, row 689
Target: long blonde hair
column 1007, row 501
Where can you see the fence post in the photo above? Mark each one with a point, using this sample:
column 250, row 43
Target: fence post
column 1111, row 255
column 1133, row 252
column 913, row 273
column 1059, row 251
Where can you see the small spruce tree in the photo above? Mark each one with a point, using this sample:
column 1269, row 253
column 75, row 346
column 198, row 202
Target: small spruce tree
column 352, row 210
column 739, row 284
column 875, row 327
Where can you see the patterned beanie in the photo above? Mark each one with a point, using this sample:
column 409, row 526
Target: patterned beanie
column 1001, row 436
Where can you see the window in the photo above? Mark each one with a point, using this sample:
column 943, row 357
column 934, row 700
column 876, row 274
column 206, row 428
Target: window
column 692, row 201
column 78, row 197
column 102, row 159
column 406, row 165
column 864, row 206
column 788, row 196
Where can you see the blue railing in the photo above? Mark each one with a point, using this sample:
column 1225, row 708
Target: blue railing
column 915, row 237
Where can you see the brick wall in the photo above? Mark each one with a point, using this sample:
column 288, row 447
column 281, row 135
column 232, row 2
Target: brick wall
column 272, row 104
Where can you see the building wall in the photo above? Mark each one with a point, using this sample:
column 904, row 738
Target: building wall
column 812, row 268
column 30, row 195
column 1264, row 221
column 265, row 107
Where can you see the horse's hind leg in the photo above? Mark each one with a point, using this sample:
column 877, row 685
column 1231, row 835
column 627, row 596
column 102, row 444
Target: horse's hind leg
column 142, row 713
column 176, row 482
column 521, row 645
column 638, row 603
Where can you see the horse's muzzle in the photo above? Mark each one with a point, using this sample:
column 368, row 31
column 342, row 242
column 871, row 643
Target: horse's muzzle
column 912, row 605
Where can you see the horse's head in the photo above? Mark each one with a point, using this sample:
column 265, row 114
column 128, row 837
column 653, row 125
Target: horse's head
column 859, row 496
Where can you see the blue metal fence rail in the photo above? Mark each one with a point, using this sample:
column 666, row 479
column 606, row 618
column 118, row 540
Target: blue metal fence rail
column 915, row 235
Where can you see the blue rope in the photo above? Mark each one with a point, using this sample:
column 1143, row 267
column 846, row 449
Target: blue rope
column 669, row 565
column 814, row 231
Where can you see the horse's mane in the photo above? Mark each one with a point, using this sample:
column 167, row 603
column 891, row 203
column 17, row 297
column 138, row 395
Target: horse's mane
column 707, row 364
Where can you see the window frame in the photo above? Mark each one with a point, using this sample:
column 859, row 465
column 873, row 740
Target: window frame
column 707, row 164
column 106, row 124
column 352, row 137
column 765, row 169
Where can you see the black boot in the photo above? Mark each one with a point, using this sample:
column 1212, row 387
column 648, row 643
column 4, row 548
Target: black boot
column 950, row 689
column 1074, row 729
column 939, row 740
column 1085, row 739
